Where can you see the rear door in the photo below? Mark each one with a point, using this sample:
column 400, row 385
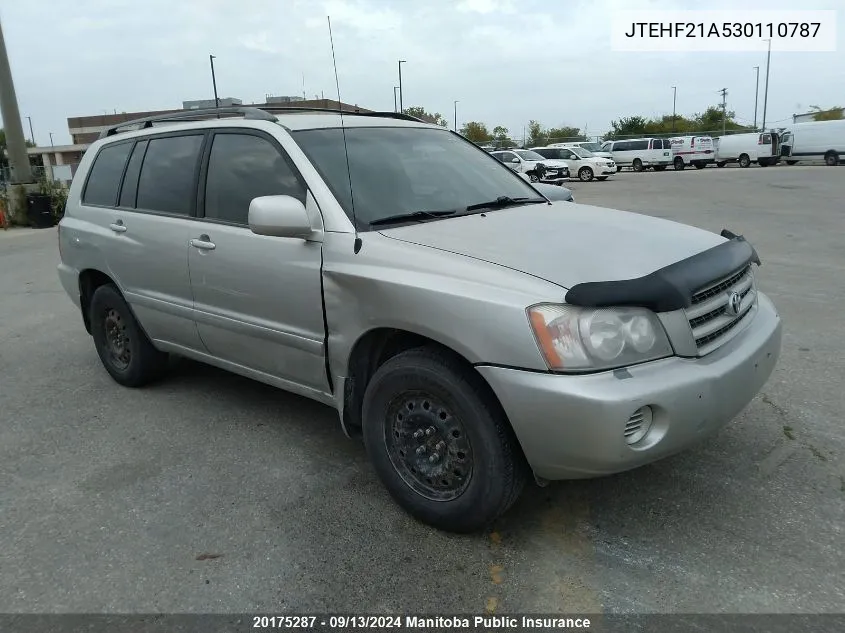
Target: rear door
column 150, row 228
column 258, row 299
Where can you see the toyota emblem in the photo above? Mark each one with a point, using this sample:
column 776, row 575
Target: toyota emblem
column 734, row 304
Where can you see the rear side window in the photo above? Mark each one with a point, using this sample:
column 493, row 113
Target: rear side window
column 167, row 176
column 129, row 190
column 546, row 153
column 639, row 145
column 104, row 179
column 242, row 167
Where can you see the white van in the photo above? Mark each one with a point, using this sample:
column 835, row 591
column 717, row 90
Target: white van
column 640, row 153
column 692, row 150
column 591, row 146
column 814, row 140
column 763, row 149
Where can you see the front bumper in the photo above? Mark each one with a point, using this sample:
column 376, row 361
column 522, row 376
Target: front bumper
column 573, row 426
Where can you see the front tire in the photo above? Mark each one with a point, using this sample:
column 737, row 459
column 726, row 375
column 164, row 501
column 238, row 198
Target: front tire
column 721, row 164
column 792, row 162
column 744, row 161
column 678, row 164
column 124, row 349
column 831, row 159
column 618, row 169
column 601, row 178
column 637, row 164
column 439, row 441
column 585, row 174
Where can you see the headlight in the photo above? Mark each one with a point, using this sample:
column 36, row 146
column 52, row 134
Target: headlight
column 583, row 339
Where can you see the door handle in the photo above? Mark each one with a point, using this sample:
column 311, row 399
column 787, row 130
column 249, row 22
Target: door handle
column 118, row 227
column 203, row 243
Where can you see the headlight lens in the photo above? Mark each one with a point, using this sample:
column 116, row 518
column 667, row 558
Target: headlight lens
column 583, row 339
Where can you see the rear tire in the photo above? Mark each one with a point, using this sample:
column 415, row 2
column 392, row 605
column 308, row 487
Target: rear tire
column 602, row 178
column 637, row 164
column 660, row 167
column 700, row 165
column 618, row 169
column 791, row 162
column 585, row 174
column 831, row 159
column 744, row 161
column 439, row 441
column 123, row 347
column 763, row 162
column 721, row 164
column 678, row 164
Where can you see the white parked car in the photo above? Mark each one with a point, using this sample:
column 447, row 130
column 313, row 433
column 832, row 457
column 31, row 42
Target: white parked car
column 580, row 162
column 640, row 153
column 697, row 151
column 536, row 167
column 814, row 140
column 590, row 146
column 763, row 149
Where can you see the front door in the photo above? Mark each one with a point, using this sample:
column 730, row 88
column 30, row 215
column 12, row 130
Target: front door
column 257, row 299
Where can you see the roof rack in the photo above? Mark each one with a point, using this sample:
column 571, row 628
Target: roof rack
column 188, row 115
column 388, row 115
column 258, row 114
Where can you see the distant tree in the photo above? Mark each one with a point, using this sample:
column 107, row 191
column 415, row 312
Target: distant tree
column 832, row 114
column 476, row 132
column 421, row 113
column 565, row 133
column 536, row 134
column 501, row 137
column 626, row 126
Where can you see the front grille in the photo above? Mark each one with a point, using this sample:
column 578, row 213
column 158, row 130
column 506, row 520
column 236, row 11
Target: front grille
column 711, row 316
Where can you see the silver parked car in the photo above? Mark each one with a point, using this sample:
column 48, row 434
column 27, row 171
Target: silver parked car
column 471, row 330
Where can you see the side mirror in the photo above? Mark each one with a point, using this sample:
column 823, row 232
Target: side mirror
column 279, row 216
column 514, row 160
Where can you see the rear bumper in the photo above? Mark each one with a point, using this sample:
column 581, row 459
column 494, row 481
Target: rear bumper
column 573, row 426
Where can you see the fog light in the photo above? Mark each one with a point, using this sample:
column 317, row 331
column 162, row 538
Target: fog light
column 638, row 425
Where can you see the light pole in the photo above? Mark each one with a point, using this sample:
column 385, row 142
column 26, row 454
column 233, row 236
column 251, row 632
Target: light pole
column 674, row 101
column 395, row 104
column 31, row 133
column 214, row 81
column 456, row 117
column 766, row 93
column 756, row 95
column 51, row 140
column 401, row 102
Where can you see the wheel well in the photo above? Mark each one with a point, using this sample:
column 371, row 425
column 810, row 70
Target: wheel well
column 89, row 281
column 374, row 349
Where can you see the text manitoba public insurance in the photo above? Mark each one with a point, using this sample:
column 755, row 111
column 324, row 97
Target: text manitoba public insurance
column 496, row 622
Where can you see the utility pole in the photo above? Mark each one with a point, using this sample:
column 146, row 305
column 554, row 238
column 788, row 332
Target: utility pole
column 456, row 117
column 766, row 93
column 31, row 133
column 15, row 141
column 214, row 81
column 395, row 103
column 724, row 93
column 756, row 95
column 401, row 103
column 51, row 140
column 674, row 100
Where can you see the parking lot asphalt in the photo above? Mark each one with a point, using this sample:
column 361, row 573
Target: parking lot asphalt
column 212, row 493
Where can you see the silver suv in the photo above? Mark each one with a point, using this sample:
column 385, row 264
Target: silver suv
column 472, row 331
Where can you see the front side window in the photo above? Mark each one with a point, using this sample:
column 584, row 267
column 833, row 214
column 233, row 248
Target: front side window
column 591, row 147
column 526, row 154
column 582, row 153
column 104, row 179
column 399, row 170
column 167, row 175
column 242, row 167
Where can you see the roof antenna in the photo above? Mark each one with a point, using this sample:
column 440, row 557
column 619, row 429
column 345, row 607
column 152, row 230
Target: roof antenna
column 357, row 243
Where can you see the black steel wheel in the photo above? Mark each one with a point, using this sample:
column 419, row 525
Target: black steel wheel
column 637, row 164
column 440, row 442
column 123, row 347
column 744, row 161
column 678, row 163
column 831, row 159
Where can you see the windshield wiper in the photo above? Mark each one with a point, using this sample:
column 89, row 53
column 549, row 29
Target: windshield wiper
column 504, row 201
column 414, row 215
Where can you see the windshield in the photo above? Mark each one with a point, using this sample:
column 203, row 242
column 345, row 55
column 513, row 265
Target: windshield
column 591, row 147
column 525, row 154
column 583, row 153
column 400, row 170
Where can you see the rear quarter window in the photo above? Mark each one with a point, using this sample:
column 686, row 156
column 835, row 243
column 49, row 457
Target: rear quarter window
column 105, row 175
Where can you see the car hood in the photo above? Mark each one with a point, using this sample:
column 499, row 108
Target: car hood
column 552, row 162
column 563, row 242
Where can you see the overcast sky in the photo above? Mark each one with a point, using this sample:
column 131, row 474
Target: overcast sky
column 506, row 61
